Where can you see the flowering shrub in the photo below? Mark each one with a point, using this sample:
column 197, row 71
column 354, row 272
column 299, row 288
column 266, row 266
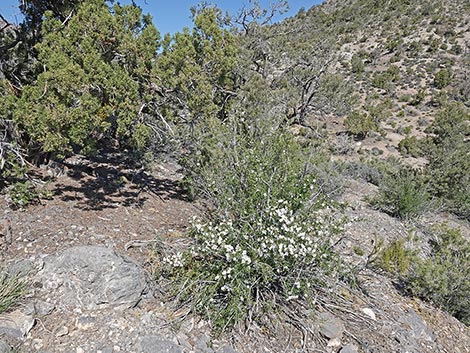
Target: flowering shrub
column 267, row 244
column 235, row 267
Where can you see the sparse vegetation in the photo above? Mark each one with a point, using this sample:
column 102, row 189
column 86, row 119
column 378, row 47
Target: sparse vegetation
column 249, row 110
column 403, row 194
column 440, row 276
column 12, row 290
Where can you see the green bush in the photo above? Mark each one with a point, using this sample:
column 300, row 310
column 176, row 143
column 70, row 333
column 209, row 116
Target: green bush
column 94, row 81
column 404, row 98
column 414, row 49
column 360, row 124
column 456, row 49
column 444, row 277
column 357, row 65
column 403, row 195
column 441, row 277
column 434, row 44
column 23, row 193
column 380, row 80
column 380, row 111
column 268, row 242
column 395, row 257
column 419, row 97
column 409, row 146
column 448, row 171
column 384, row 79
column 442, row 78
column 393, row 44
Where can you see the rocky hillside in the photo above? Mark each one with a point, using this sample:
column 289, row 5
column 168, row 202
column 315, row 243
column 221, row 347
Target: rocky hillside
column 87, row 255
column 331, row 159
column 404, row 60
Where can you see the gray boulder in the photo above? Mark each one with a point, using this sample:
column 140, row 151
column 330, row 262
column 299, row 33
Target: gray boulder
column 92, row 277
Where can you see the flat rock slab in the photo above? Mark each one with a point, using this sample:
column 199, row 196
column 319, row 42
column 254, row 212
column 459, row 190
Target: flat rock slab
column 155, row 344
column 90, row 278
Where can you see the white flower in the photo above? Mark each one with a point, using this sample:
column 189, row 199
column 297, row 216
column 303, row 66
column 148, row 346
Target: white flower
column 229, row 248
column 225, row 288
column 226, row 273
column 245, row 258
column 175, row 260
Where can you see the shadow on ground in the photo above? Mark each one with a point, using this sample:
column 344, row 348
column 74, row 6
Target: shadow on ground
column 111, row 180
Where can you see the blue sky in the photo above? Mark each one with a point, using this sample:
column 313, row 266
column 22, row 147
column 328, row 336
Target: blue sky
column 170, row 15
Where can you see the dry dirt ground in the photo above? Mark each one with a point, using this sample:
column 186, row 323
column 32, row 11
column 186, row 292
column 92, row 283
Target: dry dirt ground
column 97, row 202
column 101, row 203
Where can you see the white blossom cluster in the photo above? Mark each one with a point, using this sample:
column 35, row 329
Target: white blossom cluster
column 220, row 241
column 175, row 260
column 286, row 239
column 278, row 238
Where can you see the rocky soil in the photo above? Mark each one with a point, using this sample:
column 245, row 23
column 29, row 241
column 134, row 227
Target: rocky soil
column 86, row 256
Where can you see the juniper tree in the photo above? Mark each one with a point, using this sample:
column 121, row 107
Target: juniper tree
column 95, row 69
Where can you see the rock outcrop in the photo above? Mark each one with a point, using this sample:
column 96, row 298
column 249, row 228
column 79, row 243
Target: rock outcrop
column 90, row 278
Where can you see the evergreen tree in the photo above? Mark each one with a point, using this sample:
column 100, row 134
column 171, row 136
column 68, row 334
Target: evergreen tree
column 96, row 67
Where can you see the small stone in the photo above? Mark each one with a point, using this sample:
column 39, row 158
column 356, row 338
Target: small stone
column 44, row 308
column 21, row 268
column 334, row 342
column 369, row 313
column 37, row 344
column 62, row 331
column 92, row 277
column 80, row 350
column 349, row 349
column 152, row 344
column 85, row 323
column 330, row 326
column 202, row 343
column 16, row 324
column 182, row 340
